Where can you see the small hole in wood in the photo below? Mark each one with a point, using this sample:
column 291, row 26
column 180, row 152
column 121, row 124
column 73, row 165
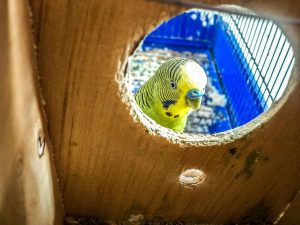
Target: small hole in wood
column 192, row 177
column 41, row 142
column 232, row 151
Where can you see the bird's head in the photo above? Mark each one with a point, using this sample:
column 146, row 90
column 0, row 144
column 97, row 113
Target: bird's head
column 181, row 86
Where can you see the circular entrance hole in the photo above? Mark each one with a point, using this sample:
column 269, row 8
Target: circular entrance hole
column 248, row 61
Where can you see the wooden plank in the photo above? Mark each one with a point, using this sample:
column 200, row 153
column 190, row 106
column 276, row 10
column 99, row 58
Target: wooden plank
column 28, row 181
column 110, row 167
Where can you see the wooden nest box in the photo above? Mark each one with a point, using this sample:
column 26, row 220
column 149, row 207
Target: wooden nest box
column 70, row 146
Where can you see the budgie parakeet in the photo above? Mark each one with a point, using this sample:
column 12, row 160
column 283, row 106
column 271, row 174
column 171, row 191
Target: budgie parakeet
column 173, row 92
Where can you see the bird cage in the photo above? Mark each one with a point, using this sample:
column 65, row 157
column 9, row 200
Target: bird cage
column 248, row 61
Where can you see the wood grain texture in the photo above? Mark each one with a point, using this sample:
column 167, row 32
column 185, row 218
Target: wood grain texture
column 291, row 215
column 109, row 166
column 28, row 182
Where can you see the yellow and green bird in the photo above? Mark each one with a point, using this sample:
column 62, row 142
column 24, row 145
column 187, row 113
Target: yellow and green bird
column 173, row 92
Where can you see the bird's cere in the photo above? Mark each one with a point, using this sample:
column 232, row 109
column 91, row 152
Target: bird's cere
column 194, row 94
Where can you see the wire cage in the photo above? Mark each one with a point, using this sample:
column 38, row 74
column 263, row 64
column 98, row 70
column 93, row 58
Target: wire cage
column 248, row 61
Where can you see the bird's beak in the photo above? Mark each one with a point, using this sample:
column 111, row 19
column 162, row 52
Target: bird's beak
column 193, row 98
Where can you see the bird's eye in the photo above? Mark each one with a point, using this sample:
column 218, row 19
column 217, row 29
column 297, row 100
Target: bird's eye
column 173, row 84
